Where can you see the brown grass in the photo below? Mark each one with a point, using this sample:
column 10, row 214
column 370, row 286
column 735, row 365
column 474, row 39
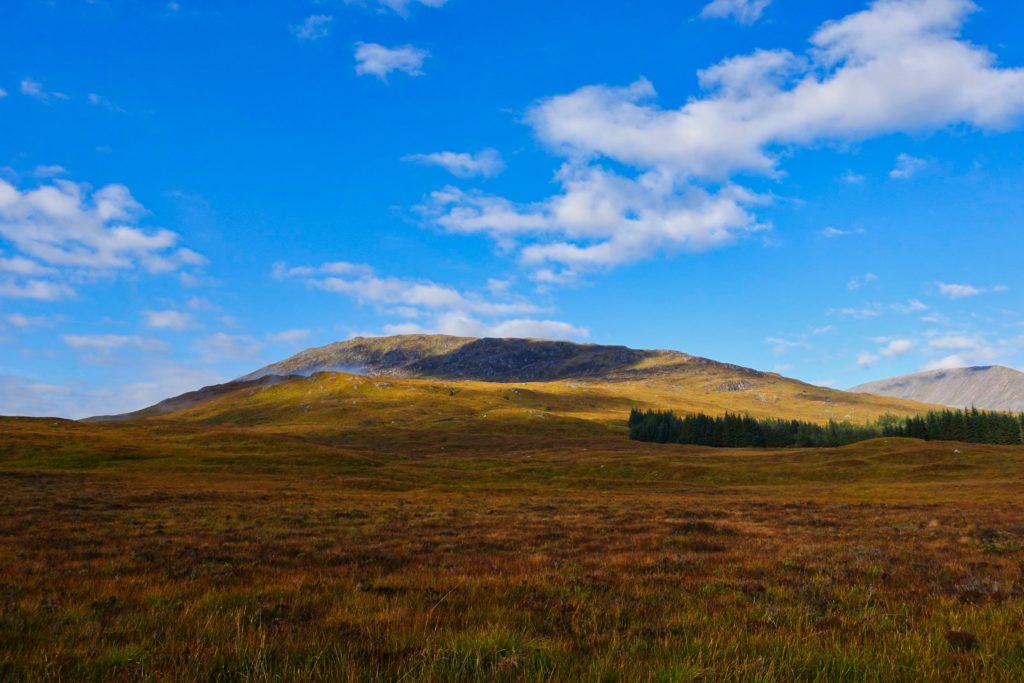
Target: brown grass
column 378, row 541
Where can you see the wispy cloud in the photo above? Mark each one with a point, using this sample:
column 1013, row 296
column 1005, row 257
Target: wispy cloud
column 177, row 321
column 781, row 346
column 429, row 306
column 400, row 7
column 98, row 100
column 742, row 11
column 907, row 167
column 289, row 336
column 866, row 360
column 31, row 322
column 314, row 27
column 964, row 291
column 373, row 59
column 897, row 347
column 832, row 232
column 858, row 282
column 852, row 178
column 109, row 342
column 858, row 312
column 486, row 163
column 32, row 88
column 221, row 346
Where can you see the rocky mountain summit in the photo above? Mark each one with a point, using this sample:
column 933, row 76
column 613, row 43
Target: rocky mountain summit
column 489, row 360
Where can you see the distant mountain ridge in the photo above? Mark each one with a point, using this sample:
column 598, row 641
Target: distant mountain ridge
column 991, row 387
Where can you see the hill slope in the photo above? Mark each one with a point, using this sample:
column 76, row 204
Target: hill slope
column 455, row 380
column 990, row 388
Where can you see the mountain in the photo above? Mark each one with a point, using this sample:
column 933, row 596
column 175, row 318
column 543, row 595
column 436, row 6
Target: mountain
column 490, row 360
column 343, row 383
column 990, row 388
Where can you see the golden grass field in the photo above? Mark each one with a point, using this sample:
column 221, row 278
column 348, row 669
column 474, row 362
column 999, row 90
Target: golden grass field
column 359, row 529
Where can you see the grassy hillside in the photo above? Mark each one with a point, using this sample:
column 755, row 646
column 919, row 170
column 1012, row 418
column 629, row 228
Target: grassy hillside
column 221, row 549
column 658, row 380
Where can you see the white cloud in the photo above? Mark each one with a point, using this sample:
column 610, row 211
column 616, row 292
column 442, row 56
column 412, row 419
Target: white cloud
column 486, row 163
column 899, row 66
column 964, row 291
column 373, row 59
column 897, row 347
column 19, row 265
column 314, row 27
column 912, row 306
column 168, row 320
column 28, row 322
column 198, row 303
column 851, row 178
column 40, row 290
column 956, row 342
column 3, row 93
column 66, row 231
column 282, row 271
column 602, row 219
column 440, row 308
column 781, row 346
column 289, row 336
column 965, row 349
column 392, row 291
column 858, row 282
column 947, row 363
column 462, row 325
column 220, row 347
column 866, row 360
column 907, row 167
column 742, row 11
column 858, row 312
column 34, row 89
column 831, row 232
column 49, row 171
column 109, row 342
column 499, row 286
column 399, row 7
column 97, row 100
column 958, row 291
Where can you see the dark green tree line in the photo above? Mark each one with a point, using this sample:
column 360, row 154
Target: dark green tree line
column 742, row 431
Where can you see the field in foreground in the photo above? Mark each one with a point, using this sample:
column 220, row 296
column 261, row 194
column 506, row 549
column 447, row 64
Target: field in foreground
column 545, row 550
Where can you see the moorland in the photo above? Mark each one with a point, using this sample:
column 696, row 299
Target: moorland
column 355, row 528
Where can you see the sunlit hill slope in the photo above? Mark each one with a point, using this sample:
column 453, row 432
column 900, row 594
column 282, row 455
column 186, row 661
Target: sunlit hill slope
column 440, row 384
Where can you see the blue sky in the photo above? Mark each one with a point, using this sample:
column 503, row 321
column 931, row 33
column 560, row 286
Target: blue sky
column 189, row 189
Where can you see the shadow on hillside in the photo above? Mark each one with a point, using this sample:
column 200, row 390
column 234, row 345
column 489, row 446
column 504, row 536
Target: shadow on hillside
column 528, row 360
